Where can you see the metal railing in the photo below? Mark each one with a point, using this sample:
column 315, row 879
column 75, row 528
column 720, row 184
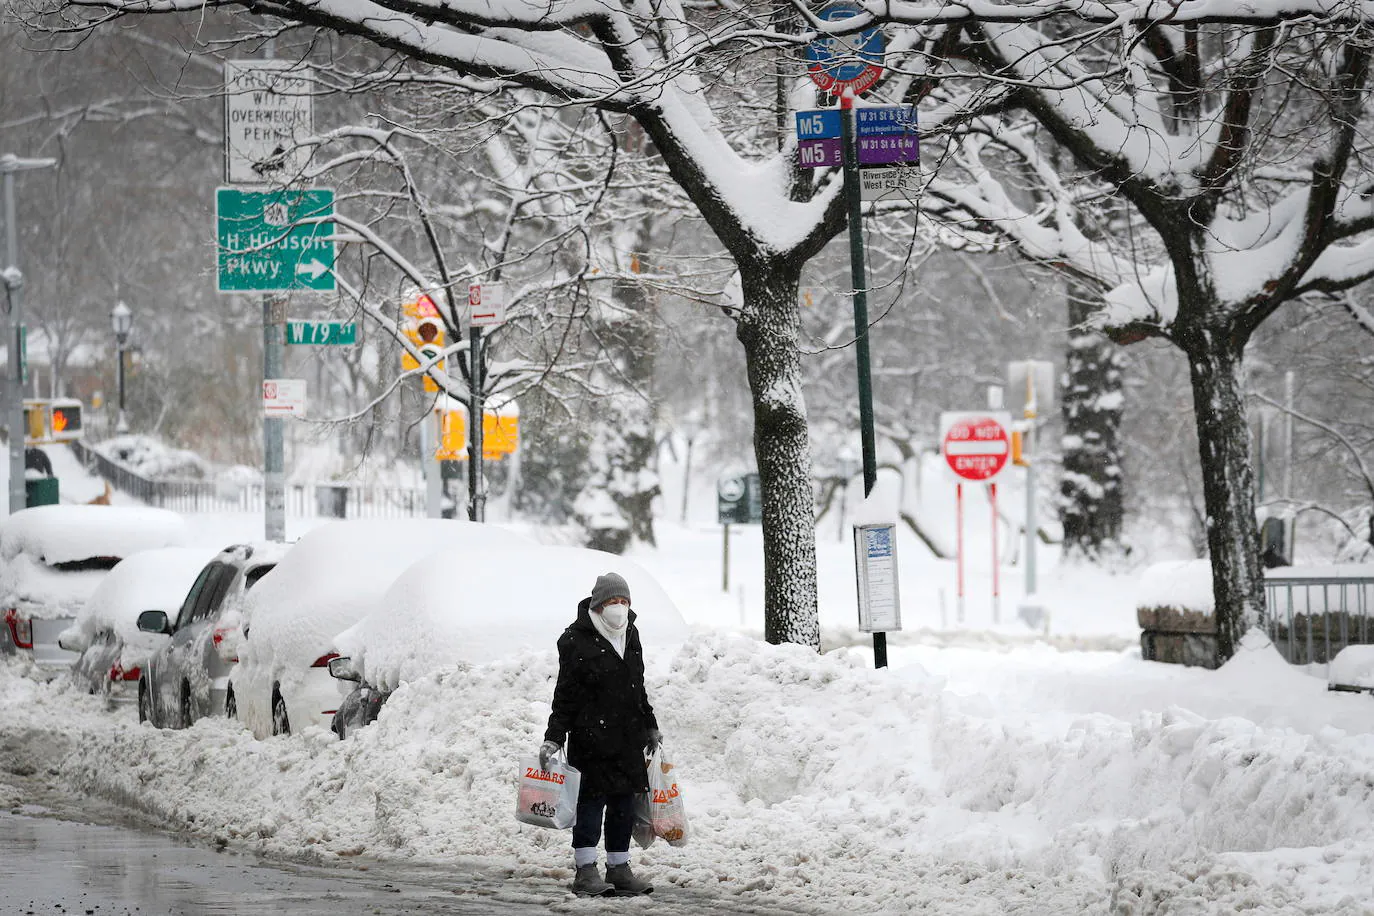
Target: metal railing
column 331, row 500
column 1311, row 619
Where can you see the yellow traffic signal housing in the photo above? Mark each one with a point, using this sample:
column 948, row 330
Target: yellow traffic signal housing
column 35, row 423
column 65, row 419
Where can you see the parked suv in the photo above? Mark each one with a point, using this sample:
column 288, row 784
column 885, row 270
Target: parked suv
column 188, row 677
column 51, row 560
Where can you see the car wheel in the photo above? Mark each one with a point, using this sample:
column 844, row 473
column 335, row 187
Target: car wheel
column 281, row 725
column 186, row 717
column 145, row 704
column 231, row 705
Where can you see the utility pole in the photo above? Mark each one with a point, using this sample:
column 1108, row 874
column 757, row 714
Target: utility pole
column 14, row 327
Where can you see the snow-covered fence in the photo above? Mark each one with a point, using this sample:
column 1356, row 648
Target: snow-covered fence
column 333, row 500
column 1312, row 611
column 1313, row 618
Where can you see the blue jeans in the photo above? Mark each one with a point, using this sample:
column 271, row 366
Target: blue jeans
column 619, row 810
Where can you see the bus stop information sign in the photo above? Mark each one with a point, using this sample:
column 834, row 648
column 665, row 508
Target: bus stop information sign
column 845, row 64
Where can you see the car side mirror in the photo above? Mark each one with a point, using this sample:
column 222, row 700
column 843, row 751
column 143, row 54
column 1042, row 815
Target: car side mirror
column 344, row 669
column 155, row 622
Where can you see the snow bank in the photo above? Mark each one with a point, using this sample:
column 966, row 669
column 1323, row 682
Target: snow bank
column 815, row 784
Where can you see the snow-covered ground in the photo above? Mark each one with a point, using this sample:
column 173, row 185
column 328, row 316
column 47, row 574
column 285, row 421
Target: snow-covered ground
column 987, row 770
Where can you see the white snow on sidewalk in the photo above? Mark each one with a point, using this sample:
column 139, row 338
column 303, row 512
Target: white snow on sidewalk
column 818, row 782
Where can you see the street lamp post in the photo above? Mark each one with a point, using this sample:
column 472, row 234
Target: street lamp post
column 11, row 164
column 691, row 428
column 122, row 320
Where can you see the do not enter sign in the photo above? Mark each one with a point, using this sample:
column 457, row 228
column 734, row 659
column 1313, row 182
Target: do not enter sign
column 976, row 446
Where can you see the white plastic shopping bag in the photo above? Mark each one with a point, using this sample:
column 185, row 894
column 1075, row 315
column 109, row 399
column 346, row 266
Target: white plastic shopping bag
column 667, row 810
column 547, row 798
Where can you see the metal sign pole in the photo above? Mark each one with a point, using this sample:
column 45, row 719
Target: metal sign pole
column 14, row 411
column 859, row 277
column 274, row 451
column 725, row 559
column 477, row 494
column 430, row 436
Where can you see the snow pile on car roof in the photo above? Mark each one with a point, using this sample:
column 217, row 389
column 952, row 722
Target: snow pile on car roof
column 151, row 580
column 334, row 575
column 460, row 605
column 70, row 534
column 37, row 544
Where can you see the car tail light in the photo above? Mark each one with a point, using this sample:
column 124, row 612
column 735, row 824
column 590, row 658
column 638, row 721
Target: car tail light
column 21, row 630
column 324, row 660
column 219, row 635
column 119, row 673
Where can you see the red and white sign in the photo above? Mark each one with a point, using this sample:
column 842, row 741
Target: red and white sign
column 486, row 304
column 283, row 397
column 976, row 445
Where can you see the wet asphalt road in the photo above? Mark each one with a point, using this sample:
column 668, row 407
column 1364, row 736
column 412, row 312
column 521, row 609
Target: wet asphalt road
column 58, row 866
column 62, row 853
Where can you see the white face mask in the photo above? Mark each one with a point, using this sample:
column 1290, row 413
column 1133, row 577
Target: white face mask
column 616, row 615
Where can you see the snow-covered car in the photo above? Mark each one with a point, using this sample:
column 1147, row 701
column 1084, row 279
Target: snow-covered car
column 514, row 601
column 112, row 649
column 51, row 560
column 334, row 575
column 188, row 677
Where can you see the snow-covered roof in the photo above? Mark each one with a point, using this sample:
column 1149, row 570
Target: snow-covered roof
column 335, row 574
column 152, row 580
column 509, row 602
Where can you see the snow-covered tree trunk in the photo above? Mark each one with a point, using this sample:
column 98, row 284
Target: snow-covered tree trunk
column 768, row 328
column 1215, row 365
column 1091, row 488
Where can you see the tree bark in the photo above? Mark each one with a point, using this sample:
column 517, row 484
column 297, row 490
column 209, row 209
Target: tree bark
column 1091, row 489
column 768, row 328
column 1215, row 364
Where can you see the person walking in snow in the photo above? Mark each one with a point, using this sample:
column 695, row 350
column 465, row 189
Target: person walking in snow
column 600, row 707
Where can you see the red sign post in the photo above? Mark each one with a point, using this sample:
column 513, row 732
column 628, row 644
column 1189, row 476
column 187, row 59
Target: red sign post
column 976, row 447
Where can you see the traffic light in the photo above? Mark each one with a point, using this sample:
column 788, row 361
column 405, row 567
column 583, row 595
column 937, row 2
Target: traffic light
column 65, row 419
column 35, row 422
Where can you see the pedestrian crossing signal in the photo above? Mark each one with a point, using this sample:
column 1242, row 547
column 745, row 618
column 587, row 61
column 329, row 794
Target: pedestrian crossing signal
column 65, row 420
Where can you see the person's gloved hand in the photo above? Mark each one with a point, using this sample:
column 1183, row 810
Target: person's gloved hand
column 546, row 751
column 654, row 740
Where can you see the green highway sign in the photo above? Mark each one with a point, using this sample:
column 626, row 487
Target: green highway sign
column 322, row 333
column 268, row 242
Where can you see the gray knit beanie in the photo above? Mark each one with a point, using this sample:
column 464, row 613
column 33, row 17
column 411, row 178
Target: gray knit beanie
column 607, row 587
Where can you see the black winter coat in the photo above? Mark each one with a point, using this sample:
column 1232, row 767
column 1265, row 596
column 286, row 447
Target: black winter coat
column 601, row 708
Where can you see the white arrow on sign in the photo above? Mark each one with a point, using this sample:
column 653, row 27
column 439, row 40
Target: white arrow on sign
column 313, row 268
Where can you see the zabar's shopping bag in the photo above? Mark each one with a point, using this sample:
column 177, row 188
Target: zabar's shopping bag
column 547, row 797
column 667, row 810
